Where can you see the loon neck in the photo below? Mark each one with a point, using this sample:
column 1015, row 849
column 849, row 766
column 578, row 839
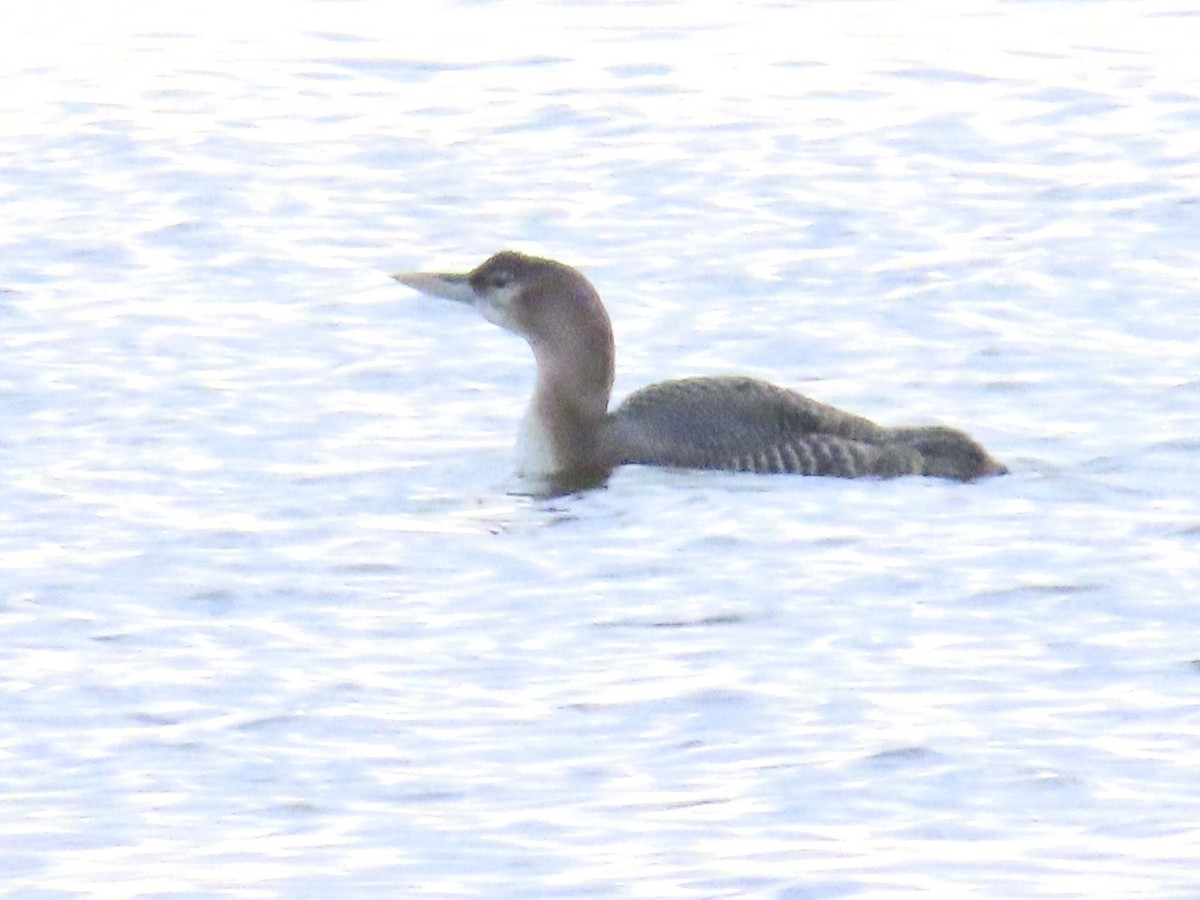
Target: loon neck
column 564, row 422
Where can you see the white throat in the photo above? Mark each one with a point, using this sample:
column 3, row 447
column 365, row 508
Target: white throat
column 535, row 448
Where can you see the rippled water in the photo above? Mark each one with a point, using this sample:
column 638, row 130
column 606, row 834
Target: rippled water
column 273, row 623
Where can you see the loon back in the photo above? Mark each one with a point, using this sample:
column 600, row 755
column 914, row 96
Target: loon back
column 747, row 425
column 734, row 424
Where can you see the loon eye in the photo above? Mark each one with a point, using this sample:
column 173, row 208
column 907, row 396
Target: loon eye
column 499, row 280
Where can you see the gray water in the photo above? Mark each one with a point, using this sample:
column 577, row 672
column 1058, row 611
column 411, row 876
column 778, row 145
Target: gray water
column 274, row 621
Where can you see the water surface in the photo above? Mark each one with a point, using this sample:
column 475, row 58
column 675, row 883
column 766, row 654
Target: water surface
column 273, row 620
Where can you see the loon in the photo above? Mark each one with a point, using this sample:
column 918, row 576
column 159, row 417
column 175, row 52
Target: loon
column 569, row 436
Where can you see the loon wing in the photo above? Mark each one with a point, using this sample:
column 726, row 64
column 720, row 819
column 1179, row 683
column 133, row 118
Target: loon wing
column 747, row 425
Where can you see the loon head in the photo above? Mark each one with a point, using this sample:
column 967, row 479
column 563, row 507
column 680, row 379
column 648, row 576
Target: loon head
column 544, row 301
column 549, row 304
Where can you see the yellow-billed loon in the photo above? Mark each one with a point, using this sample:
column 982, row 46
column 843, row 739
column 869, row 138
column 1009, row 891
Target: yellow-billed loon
column 568, row 435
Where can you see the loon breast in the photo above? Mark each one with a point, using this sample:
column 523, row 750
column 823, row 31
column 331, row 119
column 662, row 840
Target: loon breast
column 729, row 423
